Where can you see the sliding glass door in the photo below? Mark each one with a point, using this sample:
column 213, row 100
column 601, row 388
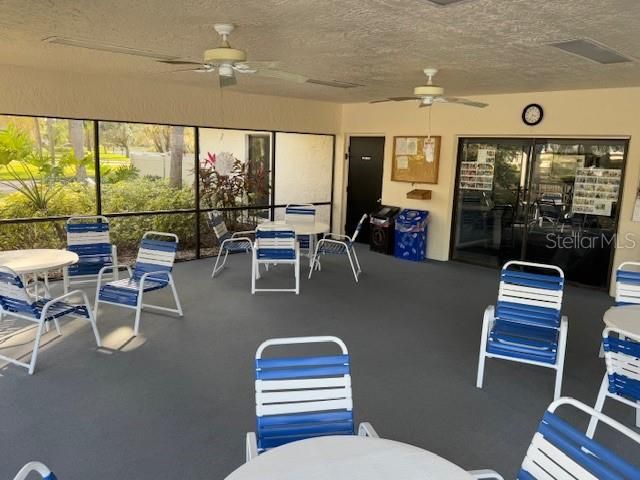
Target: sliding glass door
column 549, row 201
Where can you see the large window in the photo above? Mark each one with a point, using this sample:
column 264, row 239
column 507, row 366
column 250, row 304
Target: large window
column 152, row 177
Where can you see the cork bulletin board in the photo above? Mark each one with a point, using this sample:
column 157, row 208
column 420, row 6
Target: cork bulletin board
column 415, row 159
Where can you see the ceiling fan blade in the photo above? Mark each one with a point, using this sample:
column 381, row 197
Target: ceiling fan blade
column 395, row 99
column 279, row 74
column 226, row 81
column 179, row 62
column 256, row 65
column 462, row 101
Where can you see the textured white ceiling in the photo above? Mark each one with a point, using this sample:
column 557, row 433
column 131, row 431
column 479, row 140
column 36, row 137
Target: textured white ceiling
column 480, row 46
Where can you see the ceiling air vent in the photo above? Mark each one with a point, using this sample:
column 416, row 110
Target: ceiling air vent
column 105, row 47
column 334, row 83
column 592, row 51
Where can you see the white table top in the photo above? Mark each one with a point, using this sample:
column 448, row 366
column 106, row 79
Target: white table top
column 348, row 458
column 626, row 317
column 36, row 260
column 301, row 228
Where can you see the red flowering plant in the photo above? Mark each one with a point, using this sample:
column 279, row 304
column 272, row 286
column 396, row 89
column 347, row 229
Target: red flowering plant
column 227, row 182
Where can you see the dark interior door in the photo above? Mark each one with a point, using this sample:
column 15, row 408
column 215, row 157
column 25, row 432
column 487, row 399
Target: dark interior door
column 364, row 188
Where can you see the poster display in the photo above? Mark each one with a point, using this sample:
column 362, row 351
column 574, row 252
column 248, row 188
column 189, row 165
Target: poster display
column 476, row 176
column 595, row 190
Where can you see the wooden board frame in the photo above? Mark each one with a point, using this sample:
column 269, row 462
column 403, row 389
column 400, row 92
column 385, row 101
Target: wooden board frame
column 418, row 169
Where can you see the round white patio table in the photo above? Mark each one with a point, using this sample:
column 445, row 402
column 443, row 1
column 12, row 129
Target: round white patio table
column 35, row 261
column 303, row 228
column 348, row 458
column 626, row 317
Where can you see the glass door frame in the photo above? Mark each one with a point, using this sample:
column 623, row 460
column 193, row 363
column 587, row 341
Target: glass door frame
column 529, row 164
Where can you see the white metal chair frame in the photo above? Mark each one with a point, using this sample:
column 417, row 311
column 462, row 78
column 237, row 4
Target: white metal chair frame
column 616, row 364
column 148, row 276
column 42, row 320
column 489, row 320
column 84, row 279
column 539, row 453
column 256, row 262
column 365, row 429
column 40, row 468
column 236, row 237
column 345, row 241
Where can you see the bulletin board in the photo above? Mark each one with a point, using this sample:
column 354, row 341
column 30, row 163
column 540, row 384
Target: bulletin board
column 415, row 159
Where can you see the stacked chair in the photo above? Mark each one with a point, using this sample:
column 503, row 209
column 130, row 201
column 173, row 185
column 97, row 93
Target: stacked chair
column 304, row 213
column 336, row 244
column 152, row 271
column 275, row 245
column 16, row 302
column 526, row 325
column 88, row 237
column 621, row 381
column 239, row 242
column 559, row 451
column 302, row 397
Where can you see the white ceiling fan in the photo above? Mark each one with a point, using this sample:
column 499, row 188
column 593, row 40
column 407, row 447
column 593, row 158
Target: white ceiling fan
column 228, row 61
column 429, row 94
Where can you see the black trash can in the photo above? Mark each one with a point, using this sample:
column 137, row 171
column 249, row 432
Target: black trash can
column 382, row 229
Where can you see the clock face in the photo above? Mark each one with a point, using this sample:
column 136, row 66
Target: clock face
column 532, row 114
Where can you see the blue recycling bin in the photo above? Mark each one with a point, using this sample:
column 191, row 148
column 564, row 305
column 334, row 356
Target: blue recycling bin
column 411, row 235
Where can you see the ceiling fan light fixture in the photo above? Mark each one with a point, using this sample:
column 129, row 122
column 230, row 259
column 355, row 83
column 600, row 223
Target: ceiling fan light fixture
column 224, row 55
column 428, row 91
column 225, row 70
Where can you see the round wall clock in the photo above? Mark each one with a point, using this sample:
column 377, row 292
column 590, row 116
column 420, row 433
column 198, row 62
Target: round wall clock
column 532, row 114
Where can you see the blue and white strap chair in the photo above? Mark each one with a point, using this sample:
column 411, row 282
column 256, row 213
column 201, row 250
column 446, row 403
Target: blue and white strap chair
column 302, row 397
column 40, row 468
column 526, row 325
column 88, row 237
column 622, row 379
column 559, row 451
column 152, row 271
column 275, row 244
column 16, row 302
column 336, row 244
column 628, row 284
column 239, row 242
column 304, row 213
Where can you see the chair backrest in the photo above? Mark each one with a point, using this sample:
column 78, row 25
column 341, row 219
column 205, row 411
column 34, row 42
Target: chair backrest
column 628, row 284
column 302, row 397
column 215, row 219
column 89, row 237
column 530, row 298
column 275, row 242
column 38, row 467
column 356, row 232
column 559, row 451
column 622, row 356
column 13, row 295
column 305, row 213
column 156, row 254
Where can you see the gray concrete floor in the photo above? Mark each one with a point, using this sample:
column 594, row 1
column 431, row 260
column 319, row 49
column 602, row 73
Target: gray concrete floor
column 176, row 402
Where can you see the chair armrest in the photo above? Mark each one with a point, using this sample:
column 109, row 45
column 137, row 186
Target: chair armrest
column 489, row 316
column 237, row 239
column 146, row 276
column 244, row 233
column 365, row 429
column 45, row 308
column 335, row 235
column 251, row 446
column 479, row 474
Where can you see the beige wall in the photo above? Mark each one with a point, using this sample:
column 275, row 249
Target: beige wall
column 583, row 113
column 52, row 93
